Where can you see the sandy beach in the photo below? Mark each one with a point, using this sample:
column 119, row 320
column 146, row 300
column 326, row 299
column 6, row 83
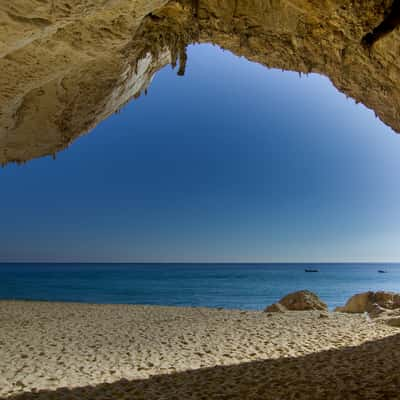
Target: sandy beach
column 69, row 350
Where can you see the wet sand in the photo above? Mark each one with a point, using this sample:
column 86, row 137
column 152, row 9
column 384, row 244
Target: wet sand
column 70, row 350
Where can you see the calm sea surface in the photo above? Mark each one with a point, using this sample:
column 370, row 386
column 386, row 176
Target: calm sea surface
column 244, row 286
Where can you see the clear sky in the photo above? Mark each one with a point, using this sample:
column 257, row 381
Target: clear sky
column 233, row 162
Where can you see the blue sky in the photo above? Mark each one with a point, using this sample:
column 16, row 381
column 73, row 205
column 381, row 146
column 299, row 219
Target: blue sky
column 233, row 162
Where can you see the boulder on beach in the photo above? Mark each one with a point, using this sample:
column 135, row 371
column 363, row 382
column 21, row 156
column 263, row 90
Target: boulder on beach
column 371, row 302
column 302, row 300
column 376, row 310
column 276, row 307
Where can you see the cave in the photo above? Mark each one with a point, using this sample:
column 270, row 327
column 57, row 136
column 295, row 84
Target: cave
column 68, row 65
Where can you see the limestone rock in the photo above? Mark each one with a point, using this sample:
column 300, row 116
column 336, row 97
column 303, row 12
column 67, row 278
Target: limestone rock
column 276, row 307
column 371, row 302
column 66, row 66
column 302, row 300
column 376, row 310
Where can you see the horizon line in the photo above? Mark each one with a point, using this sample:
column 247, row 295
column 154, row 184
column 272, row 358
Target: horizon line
column 199, row 262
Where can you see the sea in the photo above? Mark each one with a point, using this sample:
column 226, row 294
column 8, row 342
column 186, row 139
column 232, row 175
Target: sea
column 232, row 286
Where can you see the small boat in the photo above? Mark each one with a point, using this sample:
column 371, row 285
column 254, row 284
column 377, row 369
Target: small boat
column 311, row 270
column 381, row 271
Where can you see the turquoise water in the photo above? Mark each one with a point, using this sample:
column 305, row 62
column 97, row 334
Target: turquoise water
column 243, row 286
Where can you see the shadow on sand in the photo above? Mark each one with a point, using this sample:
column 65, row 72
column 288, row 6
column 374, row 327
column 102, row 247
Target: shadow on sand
column 369, row 371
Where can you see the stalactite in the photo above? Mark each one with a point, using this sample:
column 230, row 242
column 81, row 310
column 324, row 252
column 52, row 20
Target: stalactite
column 182, row 61
column 136, row 67
column 195, row 8
column 174, row 55
column 244, row 40
column 235, row 9
column 159, row 33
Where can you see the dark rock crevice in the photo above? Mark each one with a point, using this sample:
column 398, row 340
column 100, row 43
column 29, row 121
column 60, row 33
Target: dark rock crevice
column 388, row 25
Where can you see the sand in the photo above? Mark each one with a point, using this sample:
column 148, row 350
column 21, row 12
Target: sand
column 69, row 350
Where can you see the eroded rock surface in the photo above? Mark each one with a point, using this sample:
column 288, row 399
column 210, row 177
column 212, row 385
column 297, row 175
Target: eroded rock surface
column 382, row 307
column 371, row 302
column 302, row 300
column 66, row 65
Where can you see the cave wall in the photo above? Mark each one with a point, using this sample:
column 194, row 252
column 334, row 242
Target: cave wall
column 66, row 65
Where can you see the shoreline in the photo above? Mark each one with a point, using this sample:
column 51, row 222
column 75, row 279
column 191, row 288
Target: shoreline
column 74, row 302
column 45, row 346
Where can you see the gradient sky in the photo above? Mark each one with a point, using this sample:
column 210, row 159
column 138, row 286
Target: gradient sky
column 233, row 162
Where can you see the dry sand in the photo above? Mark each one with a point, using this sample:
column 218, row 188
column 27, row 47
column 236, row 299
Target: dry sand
column 146, row 352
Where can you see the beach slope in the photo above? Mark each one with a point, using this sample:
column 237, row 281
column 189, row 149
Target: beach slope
column 70, row 350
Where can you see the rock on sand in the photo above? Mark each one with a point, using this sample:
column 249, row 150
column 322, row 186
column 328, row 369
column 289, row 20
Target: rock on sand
column 303, row 300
